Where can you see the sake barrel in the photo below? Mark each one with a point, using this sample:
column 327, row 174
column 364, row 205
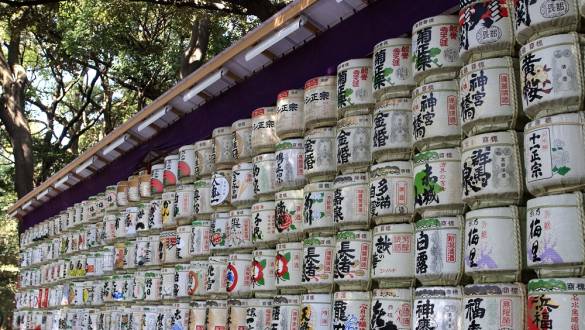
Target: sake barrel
column 222, row 147
column 129, row 218
column 264, row 136
column 169, row 209
column 318, row 208
column 487, row 29
column 243, row 185
column 238, row 275
column 351, row 267
column 439, row 307
column 493, row 244
column 216, row 276
column 204, row 158
column 156, row 179
column 351, row 201
column 351, row 309
column 219, row 231
column 217, row 314
column 500, row 305
column 286, row 312
column 554, row 154
column 489, row 99
column 144, row 187
column 179, row 316
column 259, row 314
column 320, row 102
column 555, row 303
column 319, row 158
column 354, row 87
column 264, row 225
column 551, row 75
column 392, row 68
column 237, row 314
column 539, row 18
column 391, row 192
column 435, row 49
column 157, row 250
column 242, row 140
column 437, row 182
column 438, row 250
column 142, row 218
column 435, row 116
column 393, row 255
column 200, row 239
column 290, row 114
column 202, row 199
column 152, row 285
column 197, row 279
column 290, row 158
column 184, row 203
column 239, row 233
column 155, row 216
column 318, row 253
column 491, row 170
column 221, row 190
column 391, row 130
column 391, row 309
column 263, row 273
column 288, row 265
column 171, row 171
column 133, row 192
column 198, row 315
column 184, row 243
column 288, row 215
column 554, row 235
column 264, row 176
column 168, row 241
column 316, row 311
column 354, row 153
column 121, row 202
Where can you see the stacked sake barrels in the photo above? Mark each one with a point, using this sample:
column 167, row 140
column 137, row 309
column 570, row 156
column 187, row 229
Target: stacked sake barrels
column 551, row 85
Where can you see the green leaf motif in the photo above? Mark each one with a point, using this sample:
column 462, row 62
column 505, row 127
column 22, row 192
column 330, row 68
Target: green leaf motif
column 561, row 170
column 322, row 214
column 263, row 263
column 293, row 227
column 286, row 276
column 261, row 281
column 388, row 71
column 348, row 92
column 434, row 51
column 287, row 256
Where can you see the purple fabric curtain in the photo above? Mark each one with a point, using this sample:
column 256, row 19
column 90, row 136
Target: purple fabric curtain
column 352, row 38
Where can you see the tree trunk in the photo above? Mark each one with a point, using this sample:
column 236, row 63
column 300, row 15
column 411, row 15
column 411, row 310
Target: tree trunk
column 195, row 54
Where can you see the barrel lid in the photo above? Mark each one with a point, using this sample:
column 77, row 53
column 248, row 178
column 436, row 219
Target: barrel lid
column 264, row 252
column 349, row 235
column 352, row 295
column 198, row 304
column 487, row 64
column 556, row 285
column 319, row 298
column 200, row 223
column 545, row 42
column 437, row 155
column 185, row 187
column 289, row 194
column 264, row 157
column 403, row 294
column 171, row 157
column 493, row 212
column 187, row 147
column 242, row 123
column 217, row 303
column 318, row 186
column 393, row 168
column 290, row 93
column 401, row 103
column 157, row 167
column 435, row 20
column 492, row 138
column 238, row 302
column 561, row 200
column 255, row 302
column 219, row 131
column 320, row 81
column 394, row 228
column 199, row 263
column 437, row 223
column 240, row 256
column 313, row 241
column 262, row 111
column 202, row 183
column 355, row 121
column 218, row 259
column 393, row 42
column 564, row 118
column 353, row 63
column 350, row 179
column 203, row 144
column 263, row 206
column 290, row 144
column 447, row 85
column 438, row 292
column 243, row 166
column 496, row 289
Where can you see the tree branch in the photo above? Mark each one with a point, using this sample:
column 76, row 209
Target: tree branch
column 24, row 3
